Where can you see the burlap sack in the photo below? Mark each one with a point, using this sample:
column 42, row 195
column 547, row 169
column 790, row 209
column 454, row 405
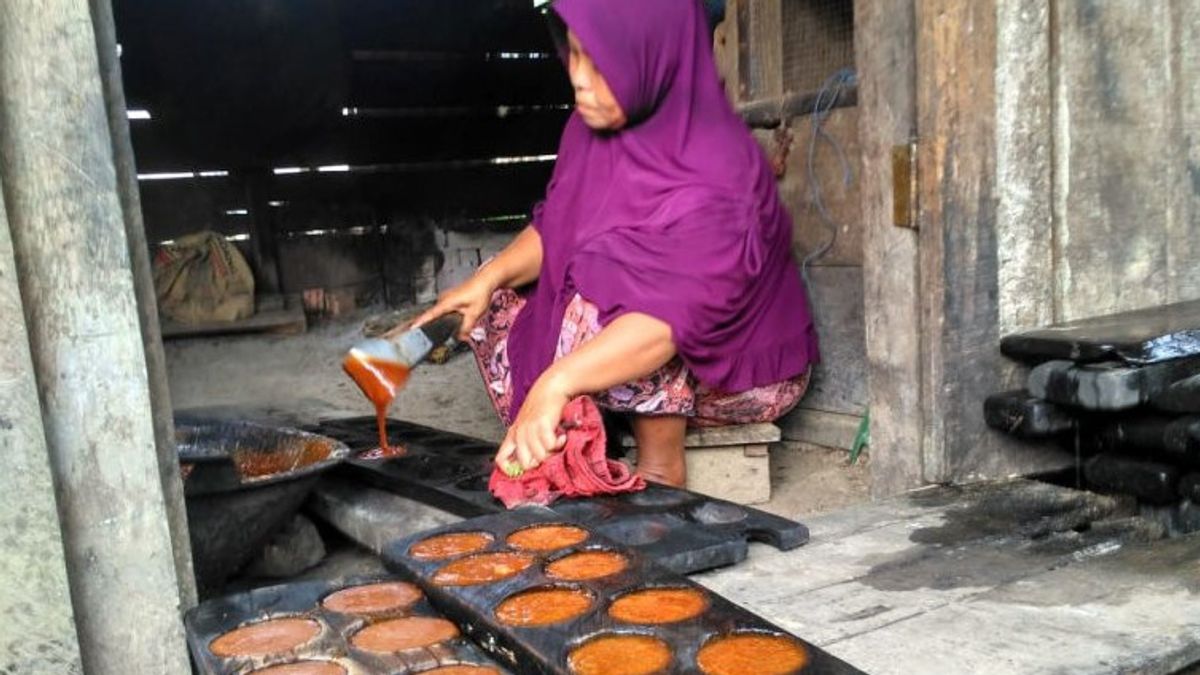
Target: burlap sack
column 202, row 278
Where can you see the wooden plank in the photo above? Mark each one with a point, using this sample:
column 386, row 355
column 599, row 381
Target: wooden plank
column 818, row 427
column 1024, row 182
column 842, row 200
column 885, row 51
column 839, row 381
column 1116, row 143
column 1183, row 219
column 959, row 247
column 270, row 321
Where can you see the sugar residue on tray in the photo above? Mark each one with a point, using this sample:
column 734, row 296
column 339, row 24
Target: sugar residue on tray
column 620, row 655
column 411, row 632
column 751, row 654
column 443, row 546
column 658, row 605
column 373, row 599
column 543, row 606
column 483, row 568
column 587, row 565
column 302, row 668
column 547, row 537
column 273, row 636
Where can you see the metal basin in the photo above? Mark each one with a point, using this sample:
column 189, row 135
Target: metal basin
column 242, row 481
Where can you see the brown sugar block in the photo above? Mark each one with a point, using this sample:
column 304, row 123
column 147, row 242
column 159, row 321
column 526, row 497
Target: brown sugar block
column 450, row 545
column 397, row 635
column 546, row 537
column 273, row 636
column 751, row 654
column 658, row 605
column 587, row 565
column 373, row 599
column 620, row 655
column 543, row 606
column 483, row 568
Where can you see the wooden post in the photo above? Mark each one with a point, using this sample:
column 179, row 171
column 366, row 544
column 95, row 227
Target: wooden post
column 77, row 288
column 35, row 602
column 147, row 302
column 885, row 53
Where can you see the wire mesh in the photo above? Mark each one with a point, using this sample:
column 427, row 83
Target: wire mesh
column 818, row 39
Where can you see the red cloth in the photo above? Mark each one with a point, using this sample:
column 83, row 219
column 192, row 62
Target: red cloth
column 582, row 469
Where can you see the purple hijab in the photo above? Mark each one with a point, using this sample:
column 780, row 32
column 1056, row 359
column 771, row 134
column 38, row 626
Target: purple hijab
column 676, row 215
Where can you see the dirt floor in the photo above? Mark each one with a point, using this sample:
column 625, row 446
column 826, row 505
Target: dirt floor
column 298, row 379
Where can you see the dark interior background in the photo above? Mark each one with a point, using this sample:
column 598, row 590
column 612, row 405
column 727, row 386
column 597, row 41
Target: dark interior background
column 426, row 114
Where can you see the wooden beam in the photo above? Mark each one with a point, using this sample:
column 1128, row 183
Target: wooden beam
column 959, row 125
column 147, row 299
column 72, row 262
column 885, row 53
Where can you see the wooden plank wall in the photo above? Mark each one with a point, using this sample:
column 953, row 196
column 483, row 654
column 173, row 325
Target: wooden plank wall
column 885, row 54
column 765, row 49
column 1058, row 181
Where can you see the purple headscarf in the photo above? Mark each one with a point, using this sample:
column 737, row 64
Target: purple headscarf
column 676, row 215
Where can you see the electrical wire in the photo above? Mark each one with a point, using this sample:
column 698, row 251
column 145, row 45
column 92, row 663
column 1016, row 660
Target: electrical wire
column 827, row 99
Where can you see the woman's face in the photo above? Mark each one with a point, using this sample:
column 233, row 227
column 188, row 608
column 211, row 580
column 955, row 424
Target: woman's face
column 593, row 99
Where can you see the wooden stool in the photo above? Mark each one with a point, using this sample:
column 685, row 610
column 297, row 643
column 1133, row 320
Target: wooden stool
column 728, row 462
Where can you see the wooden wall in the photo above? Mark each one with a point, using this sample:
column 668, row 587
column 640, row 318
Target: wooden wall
column 1057, row 163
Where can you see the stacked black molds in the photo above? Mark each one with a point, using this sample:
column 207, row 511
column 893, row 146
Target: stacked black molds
column 685, row 531
column 1122, row 390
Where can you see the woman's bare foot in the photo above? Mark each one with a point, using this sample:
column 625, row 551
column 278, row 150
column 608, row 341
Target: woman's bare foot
column 660, row 448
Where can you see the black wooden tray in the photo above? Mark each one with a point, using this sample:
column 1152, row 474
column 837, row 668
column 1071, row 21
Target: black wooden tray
column 213, row 618
column 545, row 650
column 684, row 531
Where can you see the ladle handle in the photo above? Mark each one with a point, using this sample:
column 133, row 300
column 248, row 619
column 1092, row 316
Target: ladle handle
column 443, row 328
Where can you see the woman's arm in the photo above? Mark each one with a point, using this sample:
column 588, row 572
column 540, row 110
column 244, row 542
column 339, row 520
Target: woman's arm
column 518, row 264
column 632, row 346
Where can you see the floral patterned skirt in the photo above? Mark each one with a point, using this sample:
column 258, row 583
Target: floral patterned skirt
column 670, row 390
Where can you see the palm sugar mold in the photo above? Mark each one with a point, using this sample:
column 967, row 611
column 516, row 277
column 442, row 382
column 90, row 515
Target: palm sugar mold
column 551, row 596
column 684, row 531
column 348, row 627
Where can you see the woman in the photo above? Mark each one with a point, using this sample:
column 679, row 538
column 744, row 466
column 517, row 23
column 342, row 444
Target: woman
column 657, row 274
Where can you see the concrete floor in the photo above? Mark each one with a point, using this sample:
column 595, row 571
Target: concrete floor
column 298, row 378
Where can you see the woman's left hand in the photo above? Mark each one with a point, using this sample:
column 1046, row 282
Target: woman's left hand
column 535, row 434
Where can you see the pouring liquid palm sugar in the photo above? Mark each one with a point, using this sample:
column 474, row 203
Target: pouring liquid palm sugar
column 380, row 367
column 379, row 381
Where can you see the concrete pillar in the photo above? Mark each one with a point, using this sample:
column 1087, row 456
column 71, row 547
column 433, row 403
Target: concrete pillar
column 147, row 302
column 35, row 602
column 73, row 269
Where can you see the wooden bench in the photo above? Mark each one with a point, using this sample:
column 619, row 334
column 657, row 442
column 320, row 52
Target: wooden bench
column 728, row 462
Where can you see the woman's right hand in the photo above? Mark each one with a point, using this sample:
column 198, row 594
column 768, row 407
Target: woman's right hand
column 470, row 298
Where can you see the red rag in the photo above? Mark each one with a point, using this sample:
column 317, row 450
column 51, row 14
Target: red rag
column 581, row 469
